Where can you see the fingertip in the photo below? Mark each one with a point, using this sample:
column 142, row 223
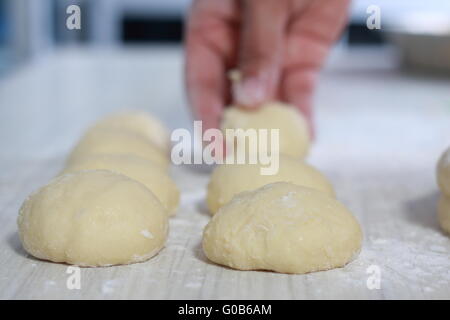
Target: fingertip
column 249, row 93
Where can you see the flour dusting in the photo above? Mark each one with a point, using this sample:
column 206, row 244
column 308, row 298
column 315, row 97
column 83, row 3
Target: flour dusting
column 147, row 234
column 410, row 262
column 109, row 286
column 288, row 200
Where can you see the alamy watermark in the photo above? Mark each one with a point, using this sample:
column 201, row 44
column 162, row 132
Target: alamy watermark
column 73, row 21
column 373, row 21
column 374, row 280
column 73, row 282
column 235, row 146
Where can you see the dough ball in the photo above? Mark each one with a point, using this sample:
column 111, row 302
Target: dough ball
column 444, row 213
column 294, row 135
column 140, row 123
column 228, row 180
column 93, row 218
column 285, row 228
column 111, row 141
column 443, row 173
column 151, row 176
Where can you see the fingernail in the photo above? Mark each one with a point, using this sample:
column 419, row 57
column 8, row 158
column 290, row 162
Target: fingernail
column 249, row 92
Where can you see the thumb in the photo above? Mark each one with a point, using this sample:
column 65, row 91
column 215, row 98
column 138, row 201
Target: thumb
column 260, row 51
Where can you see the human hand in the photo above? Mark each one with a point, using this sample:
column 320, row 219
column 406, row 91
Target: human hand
column 277, row 45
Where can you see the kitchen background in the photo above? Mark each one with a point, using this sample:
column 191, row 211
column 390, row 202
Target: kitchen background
column 30, row 28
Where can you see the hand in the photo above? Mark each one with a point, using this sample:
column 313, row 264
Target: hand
column 277, row 45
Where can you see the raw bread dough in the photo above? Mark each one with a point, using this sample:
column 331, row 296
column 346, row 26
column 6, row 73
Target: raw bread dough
column 294, row 135
column 444, row 213
column 284, row 228
column 228, row 180
column 140, row 123
column 93, row 218
column 443, row 173
column 139, row 169
column 112, row 141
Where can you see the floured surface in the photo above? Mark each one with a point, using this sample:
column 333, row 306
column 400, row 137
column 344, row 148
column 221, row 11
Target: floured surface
column 380, row 136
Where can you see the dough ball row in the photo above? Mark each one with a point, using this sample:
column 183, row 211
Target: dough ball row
column 131, row 143
column 108, row 141
column 111, row 203
column 227, row 180
column 294, row 138
column 289, row 222
column 282, row 227
column 93, row 218
column 149, row 174
column 141, row 123
column 443, row 178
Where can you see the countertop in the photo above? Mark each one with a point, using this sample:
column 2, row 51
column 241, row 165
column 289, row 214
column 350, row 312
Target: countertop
column 380, row 132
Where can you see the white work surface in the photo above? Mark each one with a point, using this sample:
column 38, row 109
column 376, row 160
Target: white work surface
column 379, row 134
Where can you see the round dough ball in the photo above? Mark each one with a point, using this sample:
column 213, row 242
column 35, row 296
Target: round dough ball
column 443, row 173
column 151, row 176
column 228, row 180
column 294, row 134
column 285, row 228
column 140, row 123
column 93, row 218
column 111, row 141
column 444, row 213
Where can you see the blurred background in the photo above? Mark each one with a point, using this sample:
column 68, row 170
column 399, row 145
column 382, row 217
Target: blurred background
column 30, row 28
column 54, row 81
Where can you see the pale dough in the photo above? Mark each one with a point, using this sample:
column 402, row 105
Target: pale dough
column 294, row 136
column 444, row 213
column 139, row 169
column 285, row 228
column 443, row 173
column 112, row 141
column 139, row 122
column 93, row 218
column 230, row 179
